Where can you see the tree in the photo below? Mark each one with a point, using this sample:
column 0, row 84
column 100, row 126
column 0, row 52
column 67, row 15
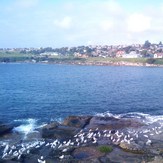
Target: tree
column 147, row 44
column 151, row 61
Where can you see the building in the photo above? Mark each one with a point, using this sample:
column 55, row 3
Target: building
column 158, row 55
column 132, row 54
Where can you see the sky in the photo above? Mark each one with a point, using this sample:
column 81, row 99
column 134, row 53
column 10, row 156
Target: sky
column 60, row 23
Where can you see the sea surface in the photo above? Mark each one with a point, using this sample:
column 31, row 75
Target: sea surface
column 35, row 94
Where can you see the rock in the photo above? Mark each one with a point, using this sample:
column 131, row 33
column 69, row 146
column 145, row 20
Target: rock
column 30, row 158
column 87, row 153
column 51, row 126
column 90, row 161
column 157, row 159
column 58, row 132
column 112, row 123
column 9, row 161
column 119, row 156
column 132, row 147
column 5, row 129
column 77, row 121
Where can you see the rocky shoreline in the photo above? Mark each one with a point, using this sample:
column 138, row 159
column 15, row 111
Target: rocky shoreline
column 104, row 63
column 84, row 139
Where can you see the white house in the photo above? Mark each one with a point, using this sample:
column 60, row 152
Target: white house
column 158, row 55
column 49, row 53
column 132, row 54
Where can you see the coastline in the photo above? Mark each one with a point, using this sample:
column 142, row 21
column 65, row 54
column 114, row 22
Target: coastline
column 88, row 139
column 120, row 63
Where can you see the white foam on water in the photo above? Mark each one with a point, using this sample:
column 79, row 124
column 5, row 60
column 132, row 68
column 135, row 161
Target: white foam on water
column 28, row 126
column 146, row 118
column 108, row 114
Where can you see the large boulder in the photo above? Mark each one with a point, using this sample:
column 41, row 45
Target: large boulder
column 87, row 153
column 56, row 131
column 132, row 147
column 5, row 129
column 77, row 121
column 111, row 123
column 119, row 156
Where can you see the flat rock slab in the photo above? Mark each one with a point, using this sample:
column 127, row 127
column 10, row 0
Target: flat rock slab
column 132, row 147
column 111, row 123
column 119, row 156
column 84, row 153
column 58, row 132
column 77, row 121
column 5, row 128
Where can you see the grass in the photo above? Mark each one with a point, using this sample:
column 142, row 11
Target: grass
column 105, row 149
column 109, row 59
column 16, row 56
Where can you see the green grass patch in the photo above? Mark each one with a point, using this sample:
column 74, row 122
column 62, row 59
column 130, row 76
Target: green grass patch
column 159, row 61
column 109, row 59
column 105, row 149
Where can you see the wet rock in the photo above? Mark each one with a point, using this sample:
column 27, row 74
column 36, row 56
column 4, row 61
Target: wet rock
column 5, row 129
column 30, row 158
column 77, row 121
column 112, row 123
column 9, row 161
column 157, row 159
column 51, row 126
column 119, row 156
column 85, row 153
column 132, row 147
column 90, row 161
column 58, row 132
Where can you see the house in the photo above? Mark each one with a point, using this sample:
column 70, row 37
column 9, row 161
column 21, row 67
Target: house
column 120, row 53
column 132, row 54
column 49, row 54
column 158, row 55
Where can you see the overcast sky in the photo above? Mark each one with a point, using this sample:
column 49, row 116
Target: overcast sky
column 58, row 23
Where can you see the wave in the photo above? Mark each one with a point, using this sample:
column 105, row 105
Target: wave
column 27, row 126
column 146, row 118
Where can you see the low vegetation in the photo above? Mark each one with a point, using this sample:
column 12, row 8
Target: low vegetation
column 105, row 149
column 18, row 57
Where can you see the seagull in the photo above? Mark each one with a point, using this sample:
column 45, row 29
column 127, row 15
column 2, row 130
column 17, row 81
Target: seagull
column 40, row 161
column 148, row 142
column 47, row 144
column 19, row 156
column 64, row 150
column 146, row 136
column 61, row 157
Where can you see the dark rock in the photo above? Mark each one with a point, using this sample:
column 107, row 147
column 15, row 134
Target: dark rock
column 95, row 160
column 77, row 121
column 119, row 156
column 9, row 161
column 51, row 126
column 5, row 129
column 84, row 153
column 30, row 158
column 58, row 132
column 132, row 147
column 157, row 159
column 112, row 123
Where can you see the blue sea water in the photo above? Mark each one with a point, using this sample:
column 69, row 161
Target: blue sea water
column 47, row 92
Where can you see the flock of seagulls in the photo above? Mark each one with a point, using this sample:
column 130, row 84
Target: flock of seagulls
column 82, row 138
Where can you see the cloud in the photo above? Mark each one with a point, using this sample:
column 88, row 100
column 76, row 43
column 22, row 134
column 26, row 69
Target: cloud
column 106, row 25
column 138, row 23
column 65, row 23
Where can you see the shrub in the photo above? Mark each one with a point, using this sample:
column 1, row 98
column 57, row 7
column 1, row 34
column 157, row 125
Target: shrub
column 151, row 61
column 105, row 149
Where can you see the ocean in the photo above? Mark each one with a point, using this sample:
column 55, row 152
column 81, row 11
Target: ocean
column 35, row 94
